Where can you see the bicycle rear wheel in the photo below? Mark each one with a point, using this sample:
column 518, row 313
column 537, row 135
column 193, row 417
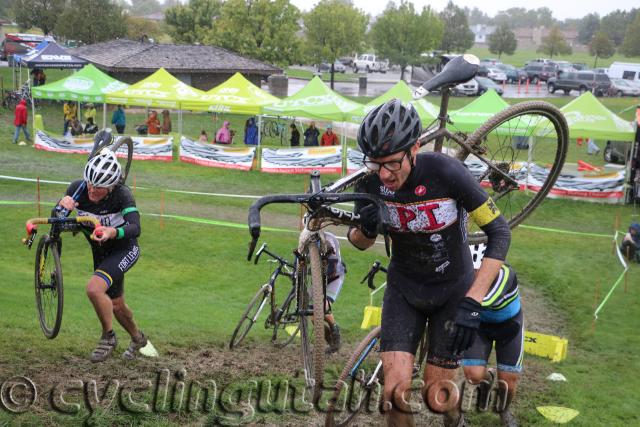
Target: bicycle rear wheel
column 359, row 386
column 312, row 289
column 527, row 145
column 250, row 315
column 48, row 286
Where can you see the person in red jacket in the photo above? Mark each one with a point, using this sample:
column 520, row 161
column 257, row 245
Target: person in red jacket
column 20, row 120
column 329, row 138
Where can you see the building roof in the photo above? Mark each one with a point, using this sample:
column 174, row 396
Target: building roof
column 132, row 56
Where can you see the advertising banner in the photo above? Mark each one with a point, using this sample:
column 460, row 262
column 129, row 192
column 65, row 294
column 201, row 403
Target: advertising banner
column 302, row 160
column 217, row 156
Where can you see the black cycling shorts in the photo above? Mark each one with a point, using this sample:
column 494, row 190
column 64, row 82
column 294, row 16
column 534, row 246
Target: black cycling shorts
column 509, row 342
column 111, row 262
column 407, row 306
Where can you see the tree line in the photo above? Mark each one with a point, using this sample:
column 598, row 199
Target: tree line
column 276, row 31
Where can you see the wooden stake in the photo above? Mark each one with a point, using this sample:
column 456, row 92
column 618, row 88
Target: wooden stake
column 161, row 210
column 596, row 294
column 616, row 224
column 134, row 184
column 626, row 281
column 38, row 194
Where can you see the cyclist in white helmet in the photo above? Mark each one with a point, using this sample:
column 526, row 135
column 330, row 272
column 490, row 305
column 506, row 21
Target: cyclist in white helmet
column 114, row 246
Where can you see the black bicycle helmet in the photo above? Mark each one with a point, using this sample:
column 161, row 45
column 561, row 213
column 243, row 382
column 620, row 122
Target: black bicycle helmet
column 389, row 128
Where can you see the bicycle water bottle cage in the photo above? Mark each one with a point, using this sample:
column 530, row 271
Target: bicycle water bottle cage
column 459, row 70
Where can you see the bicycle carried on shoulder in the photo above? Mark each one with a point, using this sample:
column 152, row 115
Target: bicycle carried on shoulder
column 510, row 175
column 280, row 316
column 48, row 280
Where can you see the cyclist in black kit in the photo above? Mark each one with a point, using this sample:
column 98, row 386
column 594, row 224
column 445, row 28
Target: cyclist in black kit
column 430, row 277
column 114, row 246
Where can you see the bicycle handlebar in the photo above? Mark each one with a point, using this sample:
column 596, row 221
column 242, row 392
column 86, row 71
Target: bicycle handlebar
column 32, row 225
column 375, row 268
column 316, row 202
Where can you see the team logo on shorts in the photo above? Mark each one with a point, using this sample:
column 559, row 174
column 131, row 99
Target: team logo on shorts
column 421, row 190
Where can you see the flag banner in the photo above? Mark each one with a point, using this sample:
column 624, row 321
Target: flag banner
column 302, row 160
column 591, row 185
column 215, row 155
column 144, row 148
column 354, row 160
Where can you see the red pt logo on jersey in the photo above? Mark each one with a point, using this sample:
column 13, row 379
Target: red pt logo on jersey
column 420, row 190
column 427, row 216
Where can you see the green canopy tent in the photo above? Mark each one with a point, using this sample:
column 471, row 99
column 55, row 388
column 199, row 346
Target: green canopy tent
column 237, row 95
column 588, row 118
column 473, row 115
column 161, row 90
column 426, row 110
column 87, row 85
column 317, row 101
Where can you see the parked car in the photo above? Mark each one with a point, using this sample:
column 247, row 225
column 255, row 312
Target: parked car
column 370, row 63
column 581, row 81
column 564, row 67
column 494, row 73
column 540, row 61
column 539, row 72
column 484, row 84
column 622, row 87
column 338, row 67
column 347, row 61
column 469, row 88
column 514, row 74
column 601, row 70
column 580, row 66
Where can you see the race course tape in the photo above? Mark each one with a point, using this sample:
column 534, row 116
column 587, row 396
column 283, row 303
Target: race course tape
column 219, row 223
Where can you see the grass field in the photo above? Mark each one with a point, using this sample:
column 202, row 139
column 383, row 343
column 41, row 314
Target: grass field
column 192, row 283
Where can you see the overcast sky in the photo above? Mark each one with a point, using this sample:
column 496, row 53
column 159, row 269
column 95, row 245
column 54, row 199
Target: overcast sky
column 561, row 9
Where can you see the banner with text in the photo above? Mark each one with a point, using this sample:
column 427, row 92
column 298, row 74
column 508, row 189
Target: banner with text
column 597, row 185
column 217, row 156
column 144, row 148
column 302, row 160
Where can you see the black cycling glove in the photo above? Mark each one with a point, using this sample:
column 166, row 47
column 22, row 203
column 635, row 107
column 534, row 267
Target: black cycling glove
column 369, row 220
column 467, row 322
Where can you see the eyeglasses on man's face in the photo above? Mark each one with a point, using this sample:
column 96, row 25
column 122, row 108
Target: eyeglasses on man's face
column 391, row 165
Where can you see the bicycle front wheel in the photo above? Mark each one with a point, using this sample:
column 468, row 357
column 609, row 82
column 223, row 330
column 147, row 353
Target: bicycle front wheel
column 519, row 156
column 48, row 286
column 311, row 288
column 359, row 386
column 250, row 315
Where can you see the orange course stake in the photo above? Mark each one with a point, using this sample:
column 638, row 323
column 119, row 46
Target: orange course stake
column 584, row 166
column 526, row 87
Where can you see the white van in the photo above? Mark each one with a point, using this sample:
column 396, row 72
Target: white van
column 624, row 70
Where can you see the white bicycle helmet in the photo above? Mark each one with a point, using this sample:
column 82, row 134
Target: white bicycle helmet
column 103, row 170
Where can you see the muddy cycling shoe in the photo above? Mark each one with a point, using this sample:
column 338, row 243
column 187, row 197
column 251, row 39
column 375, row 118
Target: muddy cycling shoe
column 134, row 346
column 507, row 419
column 105, row 347
column 332, row 336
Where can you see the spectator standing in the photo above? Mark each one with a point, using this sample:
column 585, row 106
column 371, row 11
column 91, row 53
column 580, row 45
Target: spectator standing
column 70, row 112
column 153, row 123
column 311, row 135
column 329, row 138
column 251, row 132
column 90, row 112
column 20, row 121
column 166, row 122
column 118, row 119
column 223, row 136
column 295, row 135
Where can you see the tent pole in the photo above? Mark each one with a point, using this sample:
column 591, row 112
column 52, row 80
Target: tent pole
column 104, row 115
column 33, row 117
column 258, row 150
column 344, row 147
column 180, row 123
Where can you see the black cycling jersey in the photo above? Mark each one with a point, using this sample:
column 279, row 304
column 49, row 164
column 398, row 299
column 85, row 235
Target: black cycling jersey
column 117, row 209
column 429, row 215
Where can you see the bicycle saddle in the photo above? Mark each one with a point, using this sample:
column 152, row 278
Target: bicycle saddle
column 459, row 70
